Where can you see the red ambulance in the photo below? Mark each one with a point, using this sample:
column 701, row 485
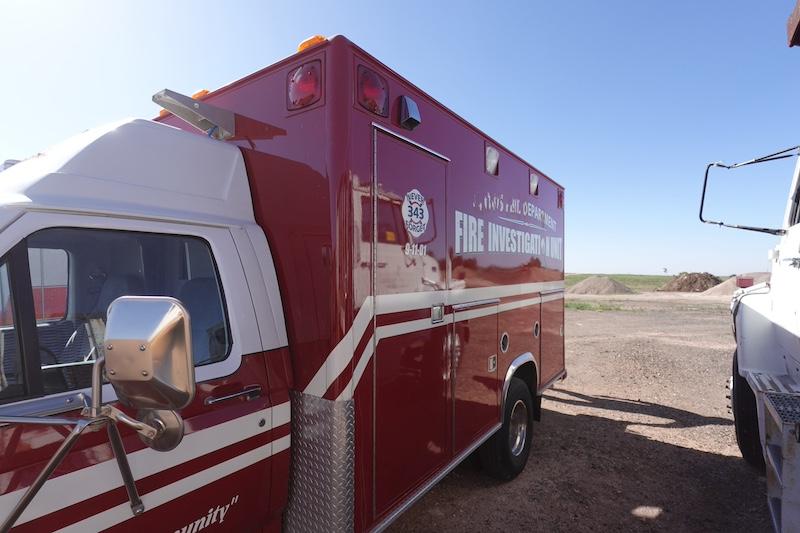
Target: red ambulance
column 296, row 302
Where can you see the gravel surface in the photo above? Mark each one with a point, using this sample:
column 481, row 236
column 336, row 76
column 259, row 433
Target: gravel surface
column 638, row 438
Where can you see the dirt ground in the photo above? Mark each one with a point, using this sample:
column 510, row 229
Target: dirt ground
column 638, row 438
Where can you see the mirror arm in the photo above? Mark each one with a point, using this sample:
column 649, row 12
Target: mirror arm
column 97, row 408
column 118, row 416
column 703, row 195
column 97, row 386
column 52, row 464
column 771, row 231
column 137, row 507
column 163, row 430
column 794, row 151
column 114, row 415
column 94, row 416
column 35, row 420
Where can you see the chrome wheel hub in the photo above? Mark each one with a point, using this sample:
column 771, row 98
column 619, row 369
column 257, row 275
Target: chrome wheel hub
column 518, row 428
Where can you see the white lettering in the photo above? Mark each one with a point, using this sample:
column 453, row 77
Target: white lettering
column 222, row 512
column 415, row 249
column 459, row 232
column 475, row 235
column 210, row 518
column 198, row 524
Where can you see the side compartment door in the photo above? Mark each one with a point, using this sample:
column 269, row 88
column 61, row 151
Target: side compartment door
column 552, row 335
column 411, row 360
column 476, row 389
column 218, row 477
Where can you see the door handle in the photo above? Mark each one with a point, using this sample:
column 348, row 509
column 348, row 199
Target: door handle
column 249, row 393
column 437, row 313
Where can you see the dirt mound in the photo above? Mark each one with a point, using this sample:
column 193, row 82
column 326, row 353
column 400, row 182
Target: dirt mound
column 599, row 285
column 728, row 287
column 691, row 282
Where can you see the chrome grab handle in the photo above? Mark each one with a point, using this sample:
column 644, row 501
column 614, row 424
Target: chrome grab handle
column 249, row 393
column 476, row 303
column 551, row 291
column 437, row 313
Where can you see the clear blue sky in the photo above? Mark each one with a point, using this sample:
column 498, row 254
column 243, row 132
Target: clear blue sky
column 623, row 102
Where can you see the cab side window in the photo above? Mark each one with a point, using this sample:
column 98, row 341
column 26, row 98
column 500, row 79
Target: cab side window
column 48, row 268
column 76, row 273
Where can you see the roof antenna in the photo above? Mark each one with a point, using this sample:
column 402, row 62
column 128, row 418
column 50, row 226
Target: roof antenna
column 218, row 123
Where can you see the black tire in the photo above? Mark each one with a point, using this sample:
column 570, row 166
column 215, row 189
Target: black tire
column 745, row 420
column 501, row 457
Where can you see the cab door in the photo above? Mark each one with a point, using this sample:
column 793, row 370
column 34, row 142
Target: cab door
column 218, row 477
column 411, row 353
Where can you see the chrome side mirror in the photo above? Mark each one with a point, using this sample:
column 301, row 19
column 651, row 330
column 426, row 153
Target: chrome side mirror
column 148, row 352
column 148, row 360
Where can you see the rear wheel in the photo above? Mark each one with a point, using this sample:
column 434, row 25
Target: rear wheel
column 506, row 452
column 745, row 419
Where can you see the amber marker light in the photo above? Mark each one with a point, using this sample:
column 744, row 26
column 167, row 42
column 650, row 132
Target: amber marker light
column 314, row 40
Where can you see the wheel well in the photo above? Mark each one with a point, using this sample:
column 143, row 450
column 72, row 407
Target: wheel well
column 527, row 373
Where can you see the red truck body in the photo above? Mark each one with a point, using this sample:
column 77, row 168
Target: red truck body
column 307, row 187
column 415, row 284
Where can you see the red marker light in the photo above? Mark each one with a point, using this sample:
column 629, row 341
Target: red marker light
column 373, row 92
column 304, row 85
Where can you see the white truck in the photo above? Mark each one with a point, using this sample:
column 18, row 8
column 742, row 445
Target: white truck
column 765, row 385
column 765, row 382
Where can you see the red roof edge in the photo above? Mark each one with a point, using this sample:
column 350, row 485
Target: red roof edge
column 793, row 26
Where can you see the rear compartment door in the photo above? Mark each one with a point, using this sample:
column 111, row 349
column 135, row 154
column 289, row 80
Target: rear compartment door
column 411, row 355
